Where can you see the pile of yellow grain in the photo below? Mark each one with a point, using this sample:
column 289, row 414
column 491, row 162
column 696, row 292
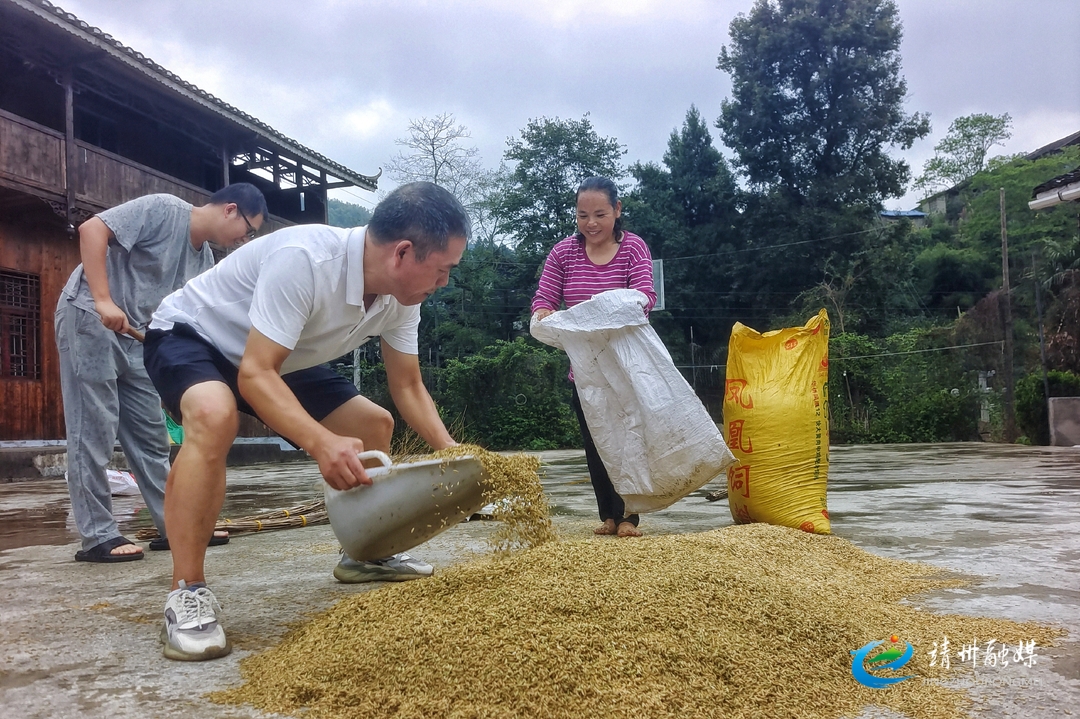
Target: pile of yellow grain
column 512, row 484
column 746, row 621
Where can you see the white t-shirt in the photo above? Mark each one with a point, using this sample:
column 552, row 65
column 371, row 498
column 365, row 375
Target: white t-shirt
column 303, row 288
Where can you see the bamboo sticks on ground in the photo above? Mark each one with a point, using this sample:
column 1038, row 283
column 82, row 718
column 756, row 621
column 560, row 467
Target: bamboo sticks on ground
column 304, row 515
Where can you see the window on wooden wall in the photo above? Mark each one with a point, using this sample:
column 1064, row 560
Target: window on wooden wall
column 20, row 324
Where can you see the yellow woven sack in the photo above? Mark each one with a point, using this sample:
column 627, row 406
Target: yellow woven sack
column 776, row 417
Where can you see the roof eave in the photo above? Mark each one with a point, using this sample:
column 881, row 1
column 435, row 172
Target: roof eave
column 139, row 62
column 1066, row 193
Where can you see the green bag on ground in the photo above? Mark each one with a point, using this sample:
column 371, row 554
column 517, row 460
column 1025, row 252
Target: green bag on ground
column 176, row 432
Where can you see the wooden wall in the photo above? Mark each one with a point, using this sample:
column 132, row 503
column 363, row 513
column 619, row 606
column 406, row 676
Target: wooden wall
column 33, row 240
column 31, row 154
column 107, row 180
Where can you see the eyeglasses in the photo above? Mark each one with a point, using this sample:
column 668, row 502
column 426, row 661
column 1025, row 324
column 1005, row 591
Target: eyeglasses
column 251, row 230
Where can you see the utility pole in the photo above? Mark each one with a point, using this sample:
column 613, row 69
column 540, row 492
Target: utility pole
column 356, row 368
column 1010, row 405
column 693, row 361
column 1042, row 340
column 71, row 163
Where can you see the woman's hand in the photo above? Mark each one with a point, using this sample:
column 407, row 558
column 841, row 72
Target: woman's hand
column 541, row 314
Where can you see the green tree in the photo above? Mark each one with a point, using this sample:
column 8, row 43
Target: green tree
column 486, row 300
column 898, row 389
column 817, row 98
column 816, row 105
column 688, row 212
column 954, row 277
column 550, row 160
column 512, row 395
column 435, row 150
column 1018, row 176
column 870, row 288
column 1032, row 413
column 962, row 152
column 702, row 185
column 347, row 214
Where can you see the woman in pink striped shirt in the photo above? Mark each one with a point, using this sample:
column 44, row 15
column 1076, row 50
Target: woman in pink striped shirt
column 600, row 257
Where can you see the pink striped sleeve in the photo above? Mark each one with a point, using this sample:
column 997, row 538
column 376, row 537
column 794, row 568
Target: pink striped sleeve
column 640, row 270
column 549, row 293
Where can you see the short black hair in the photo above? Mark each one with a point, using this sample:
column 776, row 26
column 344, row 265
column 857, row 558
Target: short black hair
column 244, row 195
column 422, row 212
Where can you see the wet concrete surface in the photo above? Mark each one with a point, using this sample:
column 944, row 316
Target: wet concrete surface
column 80, row 640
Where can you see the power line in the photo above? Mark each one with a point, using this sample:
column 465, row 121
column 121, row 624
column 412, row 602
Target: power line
column 718, row 254
column 714, row 367
column 362, row 199
column 911, row 352
column 747, row 292
column 771, row 247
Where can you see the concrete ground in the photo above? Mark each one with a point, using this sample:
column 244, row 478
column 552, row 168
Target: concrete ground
column 80, row 640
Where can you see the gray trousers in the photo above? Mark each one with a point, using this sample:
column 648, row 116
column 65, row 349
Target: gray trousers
column 108, row 396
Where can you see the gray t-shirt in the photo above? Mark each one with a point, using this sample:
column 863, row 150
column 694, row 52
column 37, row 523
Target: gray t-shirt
column 149, row 257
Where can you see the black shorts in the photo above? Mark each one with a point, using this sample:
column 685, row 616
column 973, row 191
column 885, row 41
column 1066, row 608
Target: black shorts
column 179, row 358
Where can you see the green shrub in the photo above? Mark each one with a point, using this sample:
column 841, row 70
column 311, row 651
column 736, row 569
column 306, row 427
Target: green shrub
column 1032, row 415
column 936, row 416
column 898, row 389
column 511, row 395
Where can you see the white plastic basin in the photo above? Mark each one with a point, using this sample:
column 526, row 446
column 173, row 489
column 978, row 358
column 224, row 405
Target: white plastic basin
column 405, row 505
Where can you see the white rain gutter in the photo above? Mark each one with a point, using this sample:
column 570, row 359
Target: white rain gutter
column 1068, row 193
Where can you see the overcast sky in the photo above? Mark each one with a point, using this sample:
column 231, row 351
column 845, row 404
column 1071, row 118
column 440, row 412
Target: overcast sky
column 344, row 77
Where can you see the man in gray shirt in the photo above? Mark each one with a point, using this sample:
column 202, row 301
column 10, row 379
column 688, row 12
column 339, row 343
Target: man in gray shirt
column 132, row 256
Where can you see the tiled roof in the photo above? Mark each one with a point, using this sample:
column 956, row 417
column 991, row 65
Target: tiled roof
column 156, row 72
column 1060, row 181
column 914, row 214
column 1073, row 139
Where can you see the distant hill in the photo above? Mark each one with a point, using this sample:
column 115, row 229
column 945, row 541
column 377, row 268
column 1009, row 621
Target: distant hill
column 346, row 214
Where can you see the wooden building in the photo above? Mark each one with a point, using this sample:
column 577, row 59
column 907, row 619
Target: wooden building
column 87, row 123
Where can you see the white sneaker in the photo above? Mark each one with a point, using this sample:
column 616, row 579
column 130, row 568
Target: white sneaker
column 397, row 568
column 192, row 632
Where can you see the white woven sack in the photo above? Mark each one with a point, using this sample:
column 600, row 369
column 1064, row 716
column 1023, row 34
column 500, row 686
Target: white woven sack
column 655, row 437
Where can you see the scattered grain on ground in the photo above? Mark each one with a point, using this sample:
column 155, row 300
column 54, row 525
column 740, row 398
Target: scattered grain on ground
column 745, row 621
column 512, row 485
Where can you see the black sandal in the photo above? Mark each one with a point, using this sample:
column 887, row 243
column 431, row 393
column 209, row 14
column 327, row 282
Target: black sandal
column 161, row 544
column 103, row 552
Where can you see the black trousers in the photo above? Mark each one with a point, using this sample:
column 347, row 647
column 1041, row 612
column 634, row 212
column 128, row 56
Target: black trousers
column 608, row 501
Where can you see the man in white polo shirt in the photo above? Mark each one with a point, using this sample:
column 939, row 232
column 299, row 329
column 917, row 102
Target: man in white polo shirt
column 251, row 336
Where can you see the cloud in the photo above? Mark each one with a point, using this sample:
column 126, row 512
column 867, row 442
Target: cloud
column 345, row 76
column 596, row 14
column 367, row 120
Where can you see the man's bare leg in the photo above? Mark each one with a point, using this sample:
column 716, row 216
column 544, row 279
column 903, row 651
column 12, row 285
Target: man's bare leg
column 195, row 490
column 363, row 419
